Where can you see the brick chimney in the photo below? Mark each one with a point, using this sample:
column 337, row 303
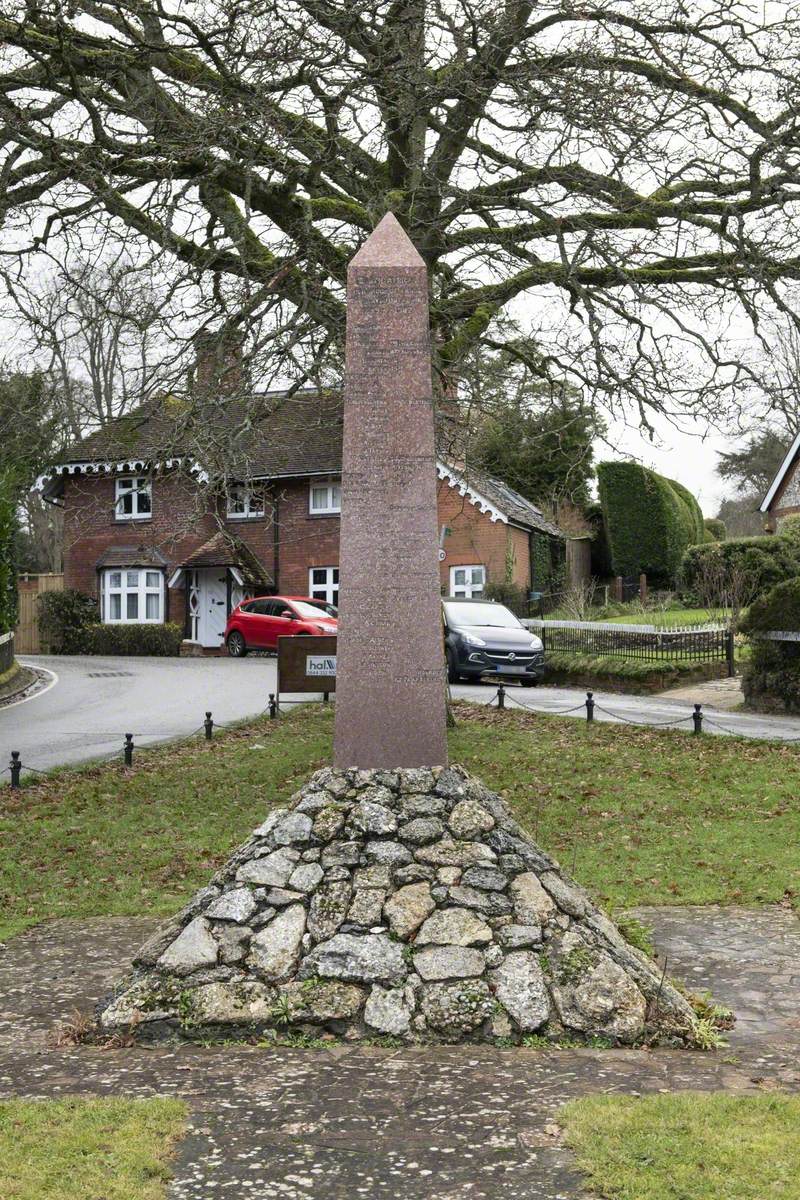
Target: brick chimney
column 219, row 363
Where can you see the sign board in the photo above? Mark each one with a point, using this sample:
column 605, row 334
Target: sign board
column 320, row 665
column 307, row 664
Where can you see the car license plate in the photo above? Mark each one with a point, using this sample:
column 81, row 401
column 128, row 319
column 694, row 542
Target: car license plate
column 509, row 670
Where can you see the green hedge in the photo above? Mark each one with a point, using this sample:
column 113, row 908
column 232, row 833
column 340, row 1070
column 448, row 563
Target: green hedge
column 761, row 562
column 63, row 620
column 715, row 529
column 772, row 674
column 8, row 576
column 650, row 521
column 158, row 640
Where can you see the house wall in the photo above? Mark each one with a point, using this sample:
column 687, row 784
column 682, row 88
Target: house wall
column 476, row 539
column 305, row 541
column 787, row 501
column 180, row 524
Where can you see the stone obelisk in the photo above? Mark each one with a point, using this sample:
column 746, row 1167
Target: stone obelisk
column 390, row 695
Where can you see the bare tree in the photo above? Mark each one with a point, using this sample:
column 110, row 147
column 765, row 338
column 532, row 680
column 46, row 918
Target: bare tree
column 102, row 335
column 626, row 174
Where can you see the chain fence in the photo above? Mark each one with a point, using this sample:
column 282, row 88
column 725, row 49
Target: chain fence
column 131, row 746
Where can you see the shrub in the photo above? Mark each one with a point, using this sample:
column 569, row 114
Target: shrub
column 510, row 594
column 157, row 640
column 8, row 578
column 650, row 521
column 772, row 676
column 716, row 529
column 733, row 573
column 63, row 620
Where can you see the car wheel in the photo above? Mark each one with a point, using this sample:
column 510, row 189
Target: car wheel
column 452, row 669
column 531, row 681
column 237, row 646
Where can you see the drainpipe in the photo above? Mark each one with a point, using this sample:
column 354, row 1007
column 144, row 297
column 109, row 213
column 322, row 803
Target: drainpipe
column 276, row 541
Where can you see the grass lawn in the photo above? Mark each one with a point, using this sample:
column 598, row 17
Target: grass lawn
column 77, row 1149
column 640, row 815
column 688, row 1146
column 671, row 619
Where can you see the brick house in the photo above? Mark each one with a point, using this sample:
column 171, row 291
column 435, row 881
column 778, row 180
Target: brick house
column 157, row 534
column 783, row 497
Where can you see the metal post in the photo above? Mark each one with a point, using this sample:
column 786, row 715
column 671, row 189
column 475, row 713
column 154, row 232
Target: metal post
column 325, row 697
column 128, row 750
column 15, row 767
column 273, row 706
column 697, row 718
column 590, row 706
column 501, row 696
column 208, row 725
column 730, row 652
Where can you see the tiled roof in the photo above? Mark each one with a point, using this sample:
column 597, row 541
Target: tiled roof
column 131, row 556
column 226, row 550
column 269, row 436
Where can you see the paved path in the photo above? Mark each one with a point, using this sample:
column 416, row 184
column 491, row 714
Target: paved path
column 615, row 707
column 97, row 700
column 454, row 1123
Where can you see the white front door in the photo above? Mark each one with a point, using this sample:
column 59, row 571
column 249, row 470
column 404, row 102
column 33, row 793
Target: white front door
column 212, row 603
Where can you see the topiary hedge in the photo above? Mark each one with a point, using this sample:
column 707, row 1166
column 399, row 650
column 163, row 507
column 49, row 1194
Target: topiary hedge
column 772, row 676
column 650, row 521
column 162, row 641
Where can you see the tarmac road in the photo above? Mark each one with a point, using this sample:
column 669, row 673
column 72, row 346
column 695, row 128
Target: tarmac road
column 96, row 701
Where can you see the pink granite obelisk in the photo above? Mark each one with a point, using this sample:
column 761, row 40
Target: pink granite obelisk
column 390, row 693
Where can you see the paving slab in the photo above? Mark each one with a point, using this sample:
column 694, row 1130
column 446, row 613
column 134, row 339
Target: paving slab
column 455, row 1123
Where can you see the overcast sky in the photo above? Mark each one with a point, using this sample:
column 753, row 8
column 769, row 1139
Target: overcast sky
column 688, row 455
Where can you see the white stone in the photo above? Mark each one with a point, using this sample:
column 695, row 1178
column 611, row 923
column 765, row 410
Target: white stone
column 389, row 1009
column 275, row 949
column 454, row 927
column 237, row 905
column 223, row 1003
column 193, row 948
column 371, row 958
column 271, row 871
column 369, row 817
column 521, row 989
column 306, row 877
column 470, row 820
column 448, row 962
column 532, row 904
column 408, row 907
column 291, row 827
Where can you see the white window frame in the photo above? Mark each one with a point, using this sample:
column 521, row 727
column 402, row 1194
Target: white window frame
column 252, row 499
column 133, row 486
column 333, row 497
column 142, row 589
column 470, row 589
column 327, row 591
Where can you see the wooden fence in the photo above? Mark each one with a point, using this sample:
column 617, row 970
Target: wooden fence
column 30, row 587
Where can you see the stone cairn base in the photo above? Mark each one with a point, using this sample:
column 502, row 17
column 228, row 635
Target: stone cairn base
column 406, row 903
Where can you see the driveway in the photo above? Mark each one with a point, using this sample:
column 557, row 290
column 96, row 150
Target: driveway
column 96, row 701
column 656, row 710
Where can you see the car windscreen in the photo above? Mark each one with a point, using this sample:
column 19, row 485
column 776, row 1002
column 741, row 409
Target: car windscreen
column 493, row 615
column 309, row 611
column 330, row 609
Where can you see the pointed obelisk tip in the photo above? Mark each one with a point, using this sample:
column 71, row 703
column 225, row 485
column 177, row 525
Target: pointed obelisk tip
column 388, row 245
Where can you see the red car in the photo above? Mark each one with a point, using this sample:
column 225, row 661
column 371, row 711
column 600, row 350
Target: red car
column 257, row 624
